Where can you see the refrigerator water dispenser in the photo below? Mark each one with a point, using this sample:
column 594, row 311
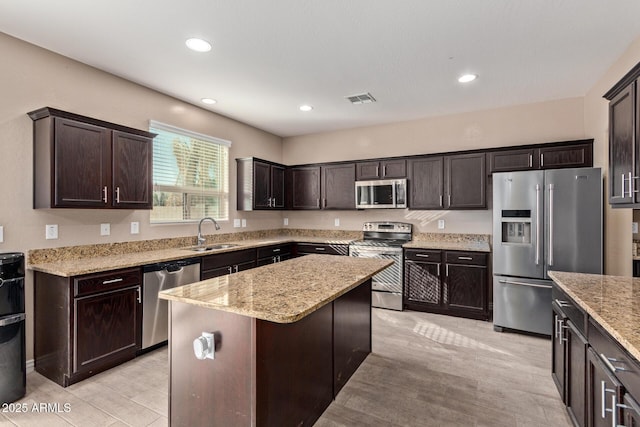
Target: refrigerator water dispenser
column 516, row 226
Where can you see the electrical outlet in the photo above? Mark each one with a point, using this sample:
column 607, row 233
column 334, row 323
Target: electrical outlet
column 286, row 221
column 51, row 231
column 236, row 223
column 441, row 224
column 244, row 223
column 105, row 229
column 135, row 227
column 1, row 233
column 336, row 222
column 634, row 227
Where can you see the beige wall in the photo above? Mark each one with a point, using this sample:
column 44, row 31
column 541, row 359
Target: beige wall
column 31, row 78
column 525, row 124
column 618, row 237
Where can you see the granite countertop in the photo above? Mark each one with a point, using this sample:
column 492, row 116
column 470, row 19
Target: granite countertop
column 77, row 267
column 612, row 301
column 284, row 292
column 450, row 246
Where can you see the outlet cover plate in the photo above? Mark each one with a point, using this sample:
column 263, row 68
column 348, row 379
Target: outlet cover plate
column 441, row 224
column 105, row 229
column 1, row 233
column 51, row 231
column 336, row 222
column 135, row 227
column 244, row 223
column 286, row 221
column 237, row 223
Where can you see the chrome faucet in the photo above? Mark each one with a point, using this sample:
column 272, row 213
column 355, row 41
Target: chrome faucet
column 201, row 239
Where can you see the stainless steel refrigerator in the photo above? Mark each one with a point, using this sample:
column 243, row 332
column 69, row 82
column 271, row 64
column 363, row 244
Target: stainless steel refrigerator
column 542, row 220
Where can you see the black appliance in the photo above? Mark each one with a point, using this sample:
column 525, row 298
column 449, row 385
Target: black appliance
column 13, row 372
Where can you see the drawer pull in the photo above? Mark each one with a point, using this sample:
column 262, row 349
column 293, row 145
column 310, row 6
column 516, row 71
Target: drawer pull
column 562, row 303
column 108, row 282
column 607, row 361
column 276, row 250
column 422, row 255
column 139, row 295
column 465, row 258
column 320, row 249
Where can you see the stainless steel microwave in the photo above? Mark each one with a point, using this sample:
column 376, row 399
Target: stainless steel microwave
column 381, row 194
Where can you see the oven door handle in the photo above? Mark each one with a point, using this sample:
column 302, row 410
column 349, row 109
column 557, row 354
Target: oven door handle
column 374, row 254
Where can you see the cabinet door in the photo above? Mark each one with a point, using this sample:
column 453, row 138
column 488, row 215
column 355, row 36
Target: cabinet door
column 601, row 383
column 465, row 287
column 576, row 368
column 106, row 328
column 82, row 162
column 277, row 186
column 305, row 187
column 630, row 411
column 572, row 156
column 132, row 171
column 621, row 141
column 466, row 181
column 393, row 169
column 426, row 183
column 422, row 283
column 338, row 186
column 513, row 160
column 368, row 170
column 261, row 185
column 558, row 350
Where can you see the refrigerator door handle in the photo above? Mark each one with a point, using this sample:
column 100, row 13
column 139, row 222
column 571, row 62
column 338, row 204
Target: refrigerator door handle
column 537, row 224
column 533, row 285
column 551, row 187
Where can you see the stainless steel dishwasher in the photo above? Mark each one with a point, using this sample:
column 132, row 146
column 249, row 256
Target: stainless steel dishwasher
column 155, row 312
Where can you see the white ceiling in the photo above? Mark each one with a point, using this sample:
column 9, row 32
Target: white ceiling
column 269, row 57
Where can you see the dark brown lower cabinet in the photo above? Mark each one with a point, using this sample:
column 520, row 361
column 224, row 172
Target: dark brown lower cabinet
column 86, row 324
column 265, row 373
column 227, row 263
column 446, row 282
column 604, row 393
column 630, row 411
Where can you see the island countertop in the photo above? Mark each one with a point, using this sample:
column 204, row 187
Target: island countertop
column 612, row 301
column 283, row 292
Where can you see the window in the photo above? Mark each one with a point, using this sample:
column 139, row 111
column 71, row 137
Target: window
column 190, row 175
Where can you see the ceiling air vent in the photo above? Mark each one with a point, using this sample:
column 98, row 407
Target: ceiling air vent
column 362, row 98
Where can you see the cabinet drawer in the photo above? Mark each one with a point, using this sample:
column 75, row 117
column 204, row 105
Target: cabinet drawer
column 269, row 251
column 570, row 309
column 423, row 255
column 94, row 283
column 605, row 346
column 323, row 248
column 229, row 258
column 466, row 258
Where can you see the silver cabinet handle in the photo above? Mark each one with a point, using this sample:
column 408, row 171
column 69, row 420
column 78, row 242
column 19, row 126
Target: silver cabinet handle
column 438, row 265
column 542, row 160
column 318, row 203
column 551, row 187
column 603, row 397
column 377, row 171
column 562, row 329
column 537, row 224
column 441, row 200
column 117, row 194
column 422, row 255
column 631, row 190
column 465, row 258
column 104, row 194
column 622, row 185
column 276, row 250
column 269, row 202
column 139, row 290
column 273, row 202
column 449, row 199
column 108, row 282
column 230, row 269
column 562, row 303
column 446, row 270
column 279, row 258
column 320, row 249
column 607, row 361
column 555, row 325
column 384, row 171
column 530, row 160
column 235, row 267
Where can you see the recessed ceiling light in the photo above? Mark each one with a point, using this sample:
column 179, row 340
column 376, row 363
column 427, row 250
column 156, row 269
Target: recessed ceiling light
column 208, row 101
column 198, row 45
column 466, row 78
column 306, row 108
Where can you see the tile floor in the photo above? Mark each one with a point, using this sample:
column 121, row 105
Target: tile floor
column 425, row 370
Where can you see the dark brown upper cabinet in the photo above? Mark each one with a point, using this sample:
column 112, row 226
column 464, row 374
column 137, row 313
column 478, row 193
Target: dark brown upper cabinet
column 261, row 184
column 80, row 162
column 303, row 187
column 382, row 169
column 569, row 154
column 338, row 186
column 623, row 142
column 448, row 182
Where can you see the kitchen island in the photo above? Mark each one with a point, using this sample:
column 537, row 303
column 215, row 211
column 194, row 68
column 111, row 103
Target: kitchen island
column 287, row 337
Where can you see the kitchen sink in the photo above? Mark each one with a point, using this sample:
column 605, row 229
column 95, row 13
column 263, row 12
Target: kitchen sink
column 213, row 247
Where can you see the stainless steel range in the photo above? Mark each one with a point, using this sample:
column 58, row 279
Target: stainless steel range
column 384, row 240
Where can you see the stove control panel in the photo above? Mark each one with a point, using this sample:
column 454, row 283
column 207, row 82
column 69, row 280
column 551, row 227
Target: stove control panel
column 389, row 227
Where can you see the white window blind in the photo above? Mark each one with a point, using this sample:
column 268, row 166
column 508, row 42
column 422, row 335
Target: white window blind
column 190, row 175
